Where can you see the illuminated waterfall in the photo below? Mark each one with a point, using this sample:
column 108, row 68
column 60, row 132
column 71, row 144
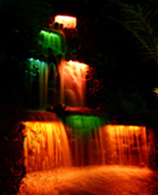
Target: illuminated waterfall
column 54, row 40
column 66, row 21
column 94, row 143
column 128, row 144
column 73, row 83
column 46, row 146
column 38, row 75
column 84, row 139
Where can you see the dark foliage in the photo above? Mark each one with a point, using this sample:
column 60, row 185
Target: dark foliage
column 11, row 149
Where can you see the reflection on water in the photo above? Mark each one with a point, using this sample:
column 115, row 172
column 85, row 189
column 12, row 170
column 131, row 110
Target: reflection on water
column 56, row 158
column 99, row 180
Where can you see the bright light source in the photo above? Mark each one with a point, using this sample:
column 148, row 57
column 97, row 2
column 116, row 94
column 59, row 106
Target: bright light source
column 80, row 65
column 67, row 21
column 155, row 90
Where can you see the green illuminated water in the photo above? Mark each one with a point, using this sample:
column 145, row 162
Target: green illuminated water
column 53, row 40
column 84, row 139
column 84, row 123
column 37, row 82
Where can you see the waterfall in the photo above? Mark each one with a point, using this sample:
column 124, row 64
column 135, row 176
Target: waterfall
column 84, row 140
column 66, row 21
column 92, row 142
column 38, row 82
column 73, row 83
column 45, row 146
column 54, row 40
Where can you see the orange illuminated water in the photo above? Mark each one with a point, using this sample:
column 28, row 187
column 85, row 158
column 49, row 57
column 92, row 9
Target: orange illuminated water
column 128, row 144
column 109, row 145
column 67, row 21
column 73, row 83
column 56, row 159
column 45, row 146
column 49, row 144
column 98, row 180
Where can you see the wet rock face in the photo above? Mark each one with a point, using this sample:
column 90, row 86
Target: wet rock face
column 59, row 109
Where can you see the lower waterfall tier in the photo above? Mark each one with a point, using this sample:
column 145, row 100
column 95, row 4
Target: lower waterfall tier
column 84, row 140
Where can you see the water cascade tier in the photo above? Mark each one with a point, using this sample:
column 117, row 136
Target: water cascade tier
column 37, row 75
column 66, row 21
column 93, row 142
column 84, row 140
column 55, row 80
column 73, row 83
column 53, row 40
column 46, row 146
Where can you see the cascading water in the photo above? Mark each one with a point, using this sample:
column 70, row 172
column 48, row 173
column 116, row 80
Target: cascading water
column 46, row 146
column 73, row 83
column 90, row 140
column 66, row 21
column 52, row 40
column 94, row 143
column 82, row 140
column 38, row 76
column 86, row 140
column 129, row 144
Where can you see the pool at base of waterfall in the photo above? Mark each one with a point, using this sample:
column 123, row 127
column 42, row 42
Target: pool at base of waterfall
column 91, row 180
